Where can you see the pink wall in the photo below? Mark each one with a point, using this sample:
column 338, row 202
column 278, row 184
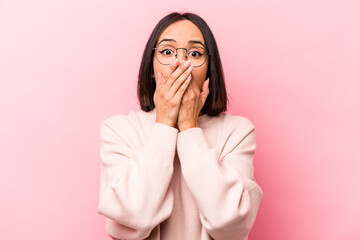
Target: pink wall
column 292, row 67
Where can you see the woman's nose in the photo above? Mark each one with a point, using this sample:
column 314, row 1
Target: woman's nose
column 181, row 56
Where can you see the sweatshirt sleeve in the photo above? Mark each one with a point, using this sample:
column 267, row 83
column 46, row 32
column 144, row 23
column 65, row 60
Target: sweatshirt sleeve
column 134, row 187
column 222, row 184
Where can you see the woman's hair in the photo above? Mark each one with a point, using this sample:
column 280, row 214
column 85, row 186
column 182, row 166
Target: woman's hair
column 216, row 101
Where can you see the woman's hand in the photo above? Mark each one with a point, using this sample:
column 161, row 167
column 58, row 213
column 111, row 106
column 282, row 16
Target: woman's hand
column 191, row 105
column 169, row 92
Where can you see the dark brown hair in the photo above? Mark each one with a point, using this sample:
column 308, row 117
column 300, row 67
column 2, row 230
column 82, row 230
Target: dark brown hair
column 216, row 102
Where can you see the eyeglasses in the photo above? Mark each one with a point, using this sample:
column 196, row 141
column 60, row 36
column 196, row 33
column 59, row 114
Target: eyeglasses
column 165, row 54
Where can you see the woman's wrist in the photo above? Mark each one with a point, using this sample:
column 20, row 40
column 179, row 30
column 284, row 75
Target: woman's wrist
column 185, row 126
column 166, row 122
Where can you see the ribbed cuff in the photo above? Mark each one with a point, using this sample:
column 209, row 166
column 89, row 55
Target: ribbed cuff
column 162, row 140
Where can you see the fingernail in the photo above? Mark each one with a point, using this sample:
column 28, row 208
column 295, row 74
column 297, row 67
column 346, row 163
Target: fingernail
column 187, row 63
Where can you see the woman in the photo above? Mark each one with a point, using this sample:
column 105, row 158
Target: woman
column 180, row 168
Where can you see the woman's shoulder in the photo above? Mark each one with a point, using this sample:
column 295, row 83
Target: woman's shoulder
column 117, row 119
column 131, row 120
column 236, row 128
column 231, row 121
column 129, row 117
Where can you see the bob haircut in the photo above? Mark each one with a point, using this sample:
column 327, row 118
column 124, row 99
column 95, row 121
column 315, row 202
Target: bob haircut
column 216, row 101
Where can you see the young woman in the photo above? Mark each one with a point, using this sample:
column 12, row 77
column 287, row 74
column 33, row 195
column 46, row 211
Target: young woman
column 180, row 168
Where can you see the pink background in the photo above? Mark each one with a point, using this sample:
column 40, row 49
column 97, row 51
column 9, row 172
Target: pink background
column 292, row 67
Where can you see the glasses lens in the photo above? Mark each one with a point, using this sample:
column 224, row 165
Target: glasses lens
column 165, row 54
column 197, row 56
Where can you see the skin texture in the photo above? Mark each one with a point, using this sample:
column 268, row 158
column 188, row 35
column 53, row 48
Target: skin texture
column 181, row 89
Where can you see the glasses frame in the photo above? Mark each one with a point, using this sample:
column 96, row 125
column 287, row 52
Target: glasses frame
column 186, row 55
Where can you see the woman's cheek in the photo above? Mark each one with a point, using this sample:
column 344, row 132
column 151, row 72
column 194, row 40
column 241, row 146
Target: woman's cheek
column 199, row 80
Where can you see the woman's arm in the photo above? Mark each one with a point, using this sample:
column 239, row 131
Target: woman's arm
column 222, row 184
column 134, row 186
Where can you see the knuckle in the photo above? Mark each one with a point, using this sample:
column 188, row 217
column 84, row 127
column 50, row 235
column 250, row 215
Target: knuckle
column 183, row 67
column 173, row 102
column 172, row 66
column 167, row 98
column 193, row 96
column 162, row 95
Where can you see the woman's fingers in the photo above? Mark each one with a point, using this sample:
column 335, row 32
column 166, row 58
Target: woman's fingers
column 164, row 78
column 176, row 74
column 181, row 79
column 166, row 103
column 158, row 80
column 180, row 92
column 205, row 91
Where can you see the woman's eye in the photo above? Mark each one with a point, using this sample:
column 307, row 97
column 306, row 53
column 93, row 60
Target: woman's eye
column 194, row 54
column 167, row 52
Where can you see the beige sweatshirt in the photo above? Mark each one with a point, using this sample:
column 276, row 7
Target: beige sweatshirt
column 158, row 183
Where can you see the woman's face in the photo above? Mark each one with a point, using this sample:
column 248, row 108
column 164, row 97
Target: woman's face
column 182, row 34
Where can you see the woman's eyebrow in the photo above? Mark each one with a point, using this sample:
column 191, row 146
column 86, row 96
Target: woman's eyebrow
column 167, row 39
column 189, row 42
column 195, row 41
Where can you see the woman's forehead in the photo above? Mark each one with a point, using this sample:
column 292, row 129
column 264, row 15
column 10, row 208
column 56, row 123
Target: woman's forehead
column 182, row 32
